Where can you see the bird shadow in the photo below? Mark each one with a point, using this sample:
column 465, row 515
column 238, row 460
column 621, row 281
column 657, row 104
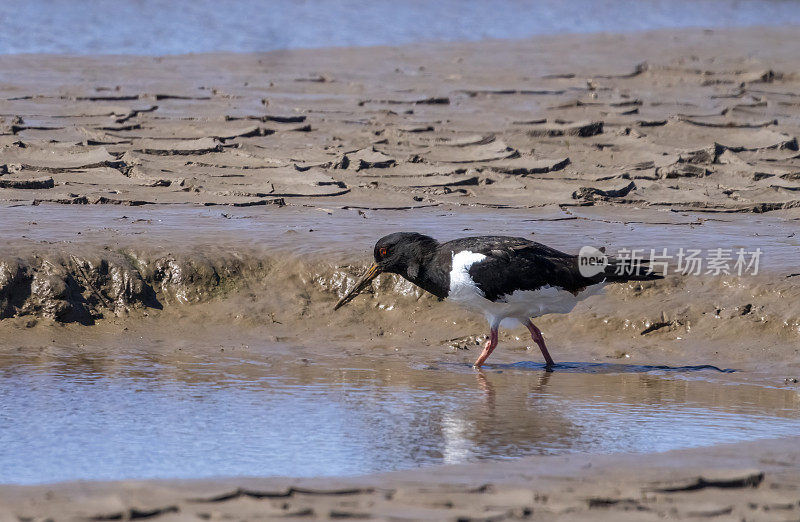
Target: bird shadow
column 586, row 367
column 598, row 368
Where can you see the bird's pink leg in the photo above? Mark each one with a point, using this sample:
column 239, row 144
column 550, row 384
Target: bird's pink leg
column 491, row 344
column 536, row 335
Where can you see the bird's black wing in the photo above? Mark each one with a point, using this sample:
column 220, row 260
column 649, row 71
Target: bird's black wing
column 501, row 246
column 514, row 263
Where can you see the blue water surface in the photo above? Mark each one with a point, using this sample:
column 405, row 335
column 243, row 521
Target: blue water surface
column 157, row 27
column 114, row 416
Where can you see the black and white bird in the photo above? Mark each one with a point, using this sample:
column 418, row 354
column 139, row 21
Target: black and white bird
column 508, row 279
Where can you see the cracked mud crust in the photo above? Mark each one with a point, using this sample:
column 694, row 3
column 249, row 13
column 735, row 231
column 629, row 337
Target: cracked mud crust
column 689, row 119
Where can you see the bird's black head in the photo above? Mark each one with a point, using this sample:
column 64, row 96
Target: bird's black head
column 400, row 253
column 403, row 253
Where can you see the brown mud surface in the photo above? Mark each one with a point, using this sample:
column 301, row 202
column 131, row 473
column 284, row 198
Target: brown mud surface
column 228, row 198
column 680, row 119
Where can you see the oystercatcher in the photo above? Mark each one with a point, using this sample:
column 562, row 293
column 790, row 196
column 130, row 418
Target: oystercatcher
column 508, row 279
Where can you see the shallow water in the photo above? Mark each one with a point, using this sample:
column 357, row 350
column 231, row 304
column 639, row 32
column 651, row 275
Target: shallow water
column 138, row 416
column 184, row 26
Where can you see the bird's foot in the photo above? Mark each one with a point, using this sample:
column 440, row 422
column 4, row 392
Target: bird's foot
column 538, row 338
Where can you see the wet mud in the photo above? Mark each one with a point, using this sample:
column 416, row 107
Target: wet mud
column 282, row 270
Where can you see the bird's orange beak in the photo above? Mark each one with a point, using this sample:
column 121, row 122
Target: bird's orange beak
column 371, row 274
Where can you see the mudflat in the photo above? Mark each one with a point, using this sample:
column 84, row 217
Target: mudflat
column 690, row 119
column 219, row 204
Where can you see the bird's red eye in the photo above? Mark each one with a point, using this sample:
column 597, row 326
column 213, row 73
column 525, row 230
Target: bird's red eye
column 383, row 251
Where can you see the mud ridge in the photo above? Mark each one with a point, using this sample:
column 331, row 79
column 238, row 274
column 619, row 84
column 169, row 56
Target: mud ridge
column 286, row 290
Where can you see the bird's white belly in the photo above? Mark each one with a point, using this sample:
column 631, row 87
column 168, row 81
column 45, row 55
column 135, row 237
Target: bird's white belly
column 516, row 307
column 524, row 304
